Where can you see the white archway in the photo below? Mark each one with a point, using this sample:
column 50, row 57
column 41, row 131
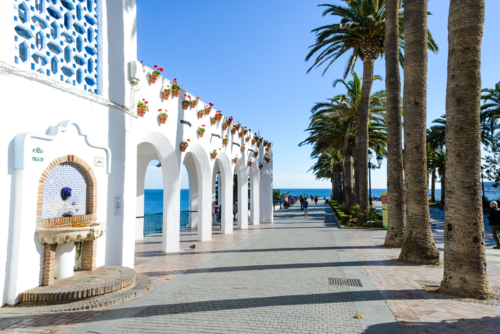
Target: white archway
column 223, row 163
column 254, row 172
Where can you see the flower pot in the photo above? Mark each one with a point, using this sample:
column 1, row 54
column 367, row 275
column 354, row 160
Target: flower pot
column 200, row 114
column 241, row 134
column 233, row 131
column 153, row 78
column 249, row 164
column 166, row 95
column 183, row 148
column 185, row 105
column 242, row 150
column 225, row 143
column 214, row 155
column 224, row 127
column 256, row 154
column 213, row 121
column 260, row 167
column 163, row 119
column 253, row 142
column 176, row 92
column 201, row 133
column 258, row 144
column 141, row 111
column 247, row 139
column 209, row 109
column 207, row 112
column 193, row 104
column 267, row 149
column 235, row 161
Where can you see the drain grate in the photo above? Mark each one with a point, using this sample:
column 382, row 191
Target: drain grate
column 345, row 281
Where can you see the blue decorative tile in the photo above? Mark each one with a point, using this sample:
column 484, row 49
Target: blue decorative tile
column 64, row 175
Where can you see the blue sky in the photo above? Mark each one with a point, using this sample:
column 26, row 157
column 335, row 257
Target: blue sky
column 247, row 57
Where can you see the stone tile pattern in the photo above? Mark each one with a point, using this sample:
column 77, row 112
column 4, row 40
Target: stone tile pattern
column 418, row 310
column 278, row 284
column 157, row 265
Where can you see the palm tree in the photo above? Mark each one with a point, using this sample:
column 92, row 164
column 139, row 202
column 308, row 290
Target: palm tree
column 395, row 187
column 437, row 164
column 362, row 30
column 418, row 245
column 277, row 194
column 329, row 166
column 435, row 140
column 465, row 272
column 490, row 110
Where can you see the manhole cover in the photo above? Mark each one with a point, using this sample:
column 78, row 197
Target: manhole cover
column 345, row 281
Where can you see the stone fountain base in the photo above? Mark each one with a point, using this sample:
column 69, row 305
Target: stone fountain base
column 105, row 286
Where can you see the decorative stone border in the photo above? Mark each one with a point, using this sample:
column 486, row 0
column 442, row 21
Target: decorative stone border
column 91, row 194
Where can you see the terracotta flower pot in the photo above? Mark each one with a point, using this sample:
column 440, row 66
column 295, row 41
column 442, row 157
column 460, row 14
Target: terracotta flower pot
column 163, row 119
column 260, row 167
column 166, row 95
column 233, row 131
column 153, row 78
column 242, row 150
column 235, row 161
column 249, row 164
column 183, row 148
column 141, row 111
column 200, row 114
column 193, row 104
column 253, row 142
column 213, row 121
column 247, row 139
column 214, row 155
column 201, row 133
column 258, row 144
column 185, row 105
column 176, row 92
column 209, row 109
column 207, row 112
column 267, row 149
column 241, row 134
column 224, row 127
column 256, row 154
column 225, row 143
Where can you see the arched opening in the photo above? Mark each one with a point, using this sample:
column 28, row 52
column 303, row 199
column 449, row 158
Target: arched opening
column 222, row 193
column 240, row 193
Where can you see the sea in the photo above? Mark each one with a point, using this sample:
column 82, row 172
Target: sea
column 153, row 198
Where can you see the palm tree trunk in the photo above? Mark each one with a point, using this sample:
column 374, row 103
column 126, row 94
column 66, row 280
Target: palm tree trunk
column 443, row 187
column 348, row 186
column 362, row 178
column 395, row 187
column 418, row 245
column 356, row 167
column 465, row 272
column 433, row 186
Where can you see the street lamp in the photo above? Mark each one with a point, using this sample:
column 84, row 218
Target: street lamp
column 372, row 166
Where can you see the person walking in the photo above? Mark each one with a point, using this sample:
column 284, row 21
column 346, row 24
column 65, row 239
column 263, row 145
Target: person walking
column 494, row 218
column 214, row 213
column 301, row 203
column 305, row 204
column 316, row 200
column 235, row 210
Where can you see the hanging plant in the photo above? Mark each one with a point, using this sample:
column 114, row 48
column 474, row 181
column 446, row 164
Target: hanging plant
column 243, row 148
column 209, row 108
column 166, row 92
column 163, row 116
column 233, row 131
column 225, row 141
column 242, row 133
column 235, row 159
column 154, row 76
column 142, row 107
column 213, row 120
column 247, row 139
column 237, row 126
column 184, row 145
column 187, row 102
column 261, row 165
column 249, row 163
column 176, row 89
column 229, row 121
column 267, row 158
column 201, row 130
column 256, row 153
column 258, row 144
column 194, row 103
column 214, row 154
column 200, row 114
column 253, row 141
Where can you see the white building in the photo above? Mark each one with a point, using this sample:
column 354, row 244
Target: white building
column 70, row 84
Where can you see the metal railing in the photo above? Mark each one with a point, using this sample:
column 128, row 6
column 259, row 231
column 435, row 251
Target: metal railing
column 153, row 223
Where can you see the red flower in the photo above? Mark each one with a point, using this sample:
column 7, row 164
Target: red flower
column 197, row 97
column 143, row 99
column 203, row 125
column 161, row 69
column 250, row 159
column 189, row 140
column 226, row 136
column 211, row 104
column 175, row 80
column 189, row 96
column 236, row 154
column 156, row 66
column 159, row 109
column 146, row 102
column 185, row 95
column 219, row 148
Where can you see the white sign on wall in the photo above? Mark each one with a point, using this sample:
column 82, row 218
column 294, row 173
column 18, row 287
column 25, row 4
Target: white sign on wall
column 118, row 205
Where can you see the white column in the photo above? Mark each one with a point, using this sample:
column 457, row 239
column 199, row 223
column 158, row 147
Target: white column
column 254, row 195
column 65, row 260
column 142, row 167
column 242, row 195
column 171, row 209
column 193, row 197
column 226, row 195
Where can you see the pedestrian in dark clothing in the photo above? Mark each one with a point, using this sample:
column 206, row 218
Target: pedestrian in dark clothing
column 494, row 218
column 301, row 203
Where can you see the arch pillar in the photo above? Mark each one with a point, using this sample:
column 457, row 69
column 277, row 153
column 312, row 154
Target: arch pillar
column 254, row 195
column 225, row 193
column 266, row 195
column 242, row 172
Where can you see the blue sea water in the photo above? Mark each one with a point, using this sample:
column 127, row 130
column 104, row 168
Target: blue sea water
column 153, row 198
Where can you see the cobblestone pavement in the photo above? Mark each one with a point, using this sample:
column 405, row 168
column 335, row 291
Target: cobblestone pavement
column 401, row 287
column 275, row 282
column 149, row 260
